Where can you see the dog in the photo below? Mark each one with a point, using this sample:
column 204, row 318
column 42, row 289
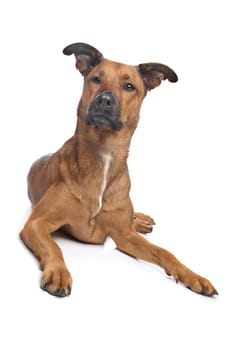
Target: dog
column 83, row 188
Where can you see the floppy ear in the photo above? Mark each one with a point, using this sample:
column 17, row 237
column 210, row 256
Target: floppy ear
column 87, row 57
column 152, row 74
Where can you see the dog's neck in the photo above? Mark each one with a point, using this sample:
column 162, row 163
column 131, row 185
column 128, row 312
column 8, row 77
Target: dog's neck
column 102, row 157
column 97, row 144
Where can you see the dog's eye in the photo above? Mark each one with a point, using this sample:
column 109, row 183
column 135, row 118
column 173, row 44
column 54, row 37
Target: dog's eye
column 96, row 80
column 129, row 87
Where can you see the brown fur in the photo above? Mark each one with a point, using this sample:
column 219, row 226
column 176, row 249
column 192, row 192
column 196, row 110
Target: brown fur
column 83, row 188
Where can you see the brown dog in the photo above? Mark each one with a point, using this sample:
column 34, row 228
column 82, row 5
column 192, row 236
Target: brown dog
column 83, row 188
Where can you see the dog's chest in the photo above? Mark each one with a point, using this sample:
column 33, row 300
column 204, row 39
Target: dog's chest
column 104, row 172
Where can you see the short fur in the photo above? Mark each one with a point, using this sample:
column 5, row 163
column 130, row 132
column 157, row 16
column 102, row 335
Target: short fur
column 83, row 188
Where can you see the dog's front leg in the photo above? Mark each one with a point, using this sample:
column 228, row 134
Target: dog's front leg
column 137, row 246
column 36, row 235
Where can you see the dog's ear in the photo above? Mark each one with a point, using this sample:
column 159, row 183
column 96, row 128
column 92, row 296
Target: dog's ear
column 152, row 74
column 87, row 57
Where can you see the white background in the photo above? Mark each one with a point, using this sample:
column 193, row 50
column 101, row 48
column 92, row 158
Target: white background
column 180, row 164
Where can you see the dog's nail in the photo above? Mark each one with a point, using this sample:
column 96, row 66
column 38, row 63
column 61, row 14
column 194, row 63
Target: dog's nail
column 57, row 292
column 45, row 286
column 62, row 293
column 209, row 294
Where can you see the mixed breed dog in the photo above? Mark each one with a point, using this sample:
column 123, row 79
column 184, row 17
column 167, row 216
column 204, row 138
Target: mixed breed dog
column 83, row 188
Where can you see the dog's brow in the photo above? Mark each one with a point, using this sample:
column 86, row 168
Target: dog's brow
column 126, row 77
column 101, row 72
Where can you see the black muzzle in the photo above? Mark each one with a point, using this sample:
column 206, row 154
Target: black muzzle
column 104, row 111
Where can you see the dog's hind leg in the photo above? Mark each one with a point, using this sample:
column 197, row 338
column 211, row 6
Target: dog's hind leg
column 143, row 223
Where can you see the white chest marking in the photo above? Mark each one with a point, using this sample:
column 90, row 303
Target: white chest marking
column 107, row 161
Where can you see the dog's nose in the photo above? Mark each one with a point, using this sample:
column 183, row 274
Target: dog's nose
column 105, row 101
column 104, row 111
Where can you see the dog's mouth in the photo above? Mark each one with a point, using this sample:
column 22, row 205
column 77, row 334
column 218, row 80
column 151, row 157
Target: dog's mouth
column 104, row 121
column 104, row 111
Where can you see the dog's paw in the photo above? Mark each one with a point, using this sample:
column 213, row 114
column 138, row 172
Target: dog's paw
column 56, row 281
column 143, row 223
column 193, row 282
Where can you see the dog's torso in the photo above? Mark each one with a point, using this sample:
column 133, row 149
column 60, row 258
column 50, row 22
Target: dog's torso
column 89, row 190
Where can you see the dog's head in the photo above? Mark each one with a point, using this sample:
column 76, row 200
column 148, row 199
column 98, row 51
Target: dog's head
column 113, row 92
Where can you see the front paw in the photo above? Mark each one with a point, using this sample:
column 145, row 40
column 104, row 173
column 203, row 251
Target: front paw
column 192, row 281
column 143, row 223
column 57, row 281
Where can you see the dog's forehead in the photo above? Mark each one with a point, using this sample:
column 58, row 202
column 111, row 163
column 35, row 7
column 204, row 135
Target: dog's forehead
column 115, row 70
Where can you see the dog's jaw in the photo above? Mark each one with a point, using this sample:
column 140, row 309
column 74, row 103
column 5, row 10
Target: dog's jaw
column 103, row 121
